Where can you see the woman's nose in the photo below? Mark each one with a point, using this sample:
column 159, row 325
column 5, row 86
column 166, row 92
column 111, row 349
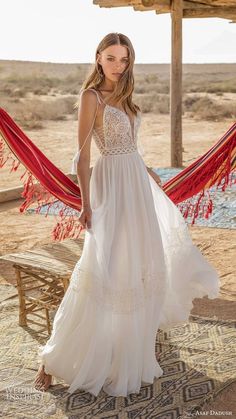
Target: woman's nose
column 118, row 66
column 118, row 70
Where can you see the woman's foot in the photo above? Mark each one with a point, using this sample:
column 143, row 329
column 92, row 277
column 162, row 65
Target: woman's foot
column 42, row 380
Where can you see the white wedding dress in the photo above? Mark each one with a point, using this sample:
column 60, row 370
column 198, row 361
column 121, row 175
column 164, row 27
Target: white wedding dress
column 139, row 271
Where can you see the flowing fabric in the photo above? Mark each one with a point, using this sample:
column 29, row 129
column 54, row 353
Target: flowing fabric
column 189, row 190
column 139, row 271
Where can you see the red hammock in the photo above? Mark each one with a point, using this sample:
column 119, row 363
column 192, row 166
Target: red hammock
column 189, row 189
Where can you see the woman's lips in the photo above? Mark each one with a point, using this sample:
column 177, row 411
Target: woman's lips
column 116, row 74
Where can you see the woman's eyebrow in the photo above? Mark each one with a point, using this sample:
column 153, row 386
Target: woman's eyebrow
column 109, row 55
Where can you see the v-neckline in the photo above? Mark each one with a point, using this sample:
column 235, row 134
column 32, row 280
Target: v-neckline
column 132, row 125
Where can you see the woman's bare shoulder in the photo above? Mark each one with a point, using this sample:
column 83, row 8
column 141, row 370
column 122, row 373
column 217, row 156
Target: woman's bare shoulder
column 88, row 93
column 88, row 99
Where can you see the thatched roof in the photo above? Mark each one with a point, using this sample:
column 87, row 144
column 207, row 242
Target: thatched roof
column 225, row 9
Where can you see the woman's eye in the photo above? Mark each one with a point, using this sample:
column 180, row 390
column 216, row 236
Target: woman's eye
column 124, row 61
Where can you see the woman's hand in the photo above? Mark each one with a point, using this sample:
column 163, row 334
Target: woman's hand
column 155, row 176
column 85, row 217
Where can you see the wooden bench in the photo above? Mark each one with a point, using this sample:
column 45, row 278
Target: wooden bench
column 42, row 277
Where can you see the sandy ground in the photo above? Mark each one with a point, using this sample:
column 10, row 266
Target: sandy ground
column 58, row 141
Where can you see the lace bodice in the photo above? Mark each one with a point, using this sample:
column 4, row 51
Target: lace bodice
column 118, row 135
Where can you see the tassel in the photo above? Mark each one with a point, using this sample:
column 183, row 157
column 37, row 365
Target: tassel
column 73, row 170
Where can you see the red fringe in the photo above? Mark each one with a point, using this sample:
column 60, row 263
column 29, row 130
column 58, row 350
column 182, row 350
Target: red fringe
column 189, row 190
column 201, row 204
column 67, row 226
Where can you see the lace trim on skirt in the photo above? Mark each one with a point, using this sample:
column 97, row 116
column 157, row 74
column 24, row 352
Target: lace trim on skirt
column 125, row 300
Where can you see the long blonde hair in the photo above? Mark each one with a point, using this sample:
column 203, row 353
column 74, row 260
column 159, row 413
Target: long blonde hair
column 125, row 85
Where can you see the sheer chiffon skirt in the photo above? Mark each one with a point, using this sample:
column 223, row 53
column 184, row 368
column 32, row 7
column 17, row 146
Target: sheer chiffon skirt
column 139, row 271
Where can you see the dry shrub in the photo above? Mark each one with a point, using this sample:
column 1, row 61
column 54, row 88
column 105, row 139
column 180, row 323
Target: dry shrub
column 31, row 113
column 140, row 88
column 17, row 93
column 37, row 84
column 151, row 93
column 151, row 78
column 28, row 121
column 158, row 88
column 163, row 106
column 40, row 84
column 153, row 102
column 222, row 86
column 205, row 83
column 208, row 109
column 189, row 101
column 145, row 103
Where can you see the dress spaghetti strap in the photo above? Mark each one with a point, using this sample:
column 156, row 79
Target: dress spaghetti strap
column 76, row 157
column 100, row 99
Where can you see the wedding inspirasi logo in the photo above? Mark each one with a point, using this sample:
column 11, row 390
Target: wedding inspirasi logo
column 26, row 394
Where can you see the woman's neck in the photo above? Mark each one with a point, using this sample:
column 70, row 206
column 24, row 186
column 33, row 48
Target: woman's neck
column 103, row 90
column 108, row 86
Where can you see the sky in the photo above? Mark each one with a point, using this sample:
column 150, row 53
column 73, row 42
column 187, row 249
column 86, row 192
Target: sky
column 68, row 31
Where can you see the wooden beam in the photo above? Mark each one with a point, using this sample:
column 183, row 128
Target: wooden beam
column 203, row 13
column 11, row 194
column 114, row 3
column 152, row 3
column 176, row 83
column 191, row 8
column 15, row 193
column 217, row 3
column 165, row 6
column 161, row 9
column 221, row 12
column 148, row 3
column 191, row 4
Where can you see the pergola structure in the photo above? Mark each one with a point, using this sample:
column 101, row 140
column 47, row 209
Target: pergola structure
column 178, row 9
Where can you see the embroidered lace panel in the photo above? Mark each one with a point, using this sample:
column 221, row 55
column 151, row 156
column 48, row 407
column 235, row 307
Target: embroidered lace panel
column 116, row 136
column 123, row 301
column 151, row 284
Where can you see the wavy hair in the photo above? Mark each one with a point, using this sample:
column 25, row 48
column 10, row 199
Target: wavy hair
column 122, row 93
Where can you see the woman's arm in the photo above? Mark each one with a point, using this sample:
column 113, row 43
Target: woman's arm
column 86, row 115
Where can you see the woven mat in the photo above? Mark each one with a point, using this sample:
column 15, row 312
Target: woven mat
column 198, row 359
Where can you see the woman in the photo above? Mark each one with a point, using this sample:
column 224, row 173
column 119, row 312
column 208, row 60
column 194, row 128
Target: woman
column 139, row 269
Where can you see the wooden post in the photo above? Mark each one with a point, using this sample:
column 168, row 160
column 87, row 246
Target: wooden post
column 176, row 83
column 21, row 294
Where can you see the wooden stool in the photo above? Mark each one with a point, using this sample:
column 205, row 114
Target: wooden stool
column 42, row 278
column 39, row 293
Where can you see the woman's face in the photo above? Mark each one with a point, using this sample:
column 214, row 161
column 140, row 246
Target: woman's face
column 114, row 60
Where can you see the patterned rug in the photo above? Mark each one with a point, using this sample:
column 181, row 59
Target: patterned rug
column 198, row 359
